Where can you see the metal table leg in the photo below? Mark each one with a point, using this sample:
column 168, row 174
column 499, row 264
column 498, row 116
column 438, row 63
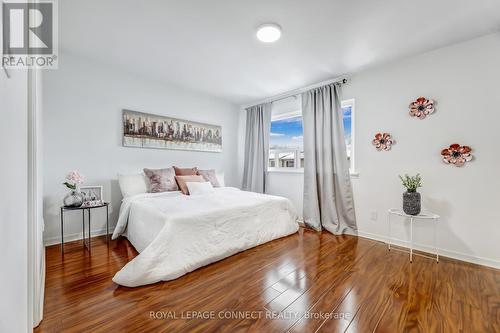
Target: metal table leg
column 83, row 228
column 107, row 225
column 89, row 229
column 411, row 239
column 62, row 230
column 389, row 233
column 435, row 240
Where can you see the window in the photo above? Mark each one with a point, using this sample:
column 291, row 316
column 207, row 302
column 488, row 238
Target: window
column 286, row 146
column 348, row 112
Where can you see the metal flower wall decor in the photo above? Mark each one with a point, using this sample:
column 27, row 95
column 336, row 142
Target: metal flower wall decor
column 383, row 141
column 456, row 154
column 421, row 107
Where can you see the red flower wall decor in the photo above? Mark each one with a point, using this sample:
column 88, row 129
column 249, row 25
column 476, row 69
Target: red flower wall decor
column 382, row 141
column 421, row 107
column 456, row 154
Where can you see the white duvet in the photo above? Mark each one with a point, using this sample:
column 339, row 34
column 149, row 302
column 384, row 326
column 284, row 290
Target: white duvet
column 176, row 234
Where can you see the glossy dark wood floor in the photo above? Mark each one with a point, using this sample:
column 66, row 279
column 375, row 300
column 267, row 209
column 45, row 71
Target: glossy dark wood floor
column 308, row 282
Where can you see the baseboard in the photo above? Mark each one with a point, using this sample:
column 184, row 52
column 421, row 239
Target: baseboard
column 76, row 236
column 429, row 249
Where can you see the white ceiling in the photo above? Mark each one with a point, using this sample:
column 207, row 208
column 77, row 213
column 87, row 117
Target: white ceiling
column 210, row 45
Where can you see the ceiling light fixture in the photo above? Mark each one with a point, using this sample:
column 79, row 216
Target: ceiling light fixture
column 269, row 33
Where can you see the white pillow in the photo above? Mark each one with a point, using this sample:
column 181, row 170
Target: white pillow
column 220, row 178
column 199, row 188
column 133, row 184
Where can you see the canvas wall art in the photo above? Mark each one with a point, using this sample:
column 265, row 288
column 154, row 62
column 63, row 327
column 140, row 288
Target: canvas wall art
column 153, row 131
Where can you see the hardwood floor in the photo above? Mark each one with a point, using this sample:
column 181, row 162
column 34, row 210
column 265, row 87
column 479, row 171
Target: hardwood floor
column 308, row 282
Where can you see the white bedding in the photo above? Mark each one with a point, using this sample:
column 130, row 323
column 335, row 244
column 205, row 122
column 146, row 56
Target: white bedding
column 176, row 234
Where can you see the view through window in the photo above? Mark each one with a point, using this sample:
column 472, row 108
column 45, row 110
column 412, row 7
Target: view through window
column 286, row 147
column 347, row 112
column 286, row 143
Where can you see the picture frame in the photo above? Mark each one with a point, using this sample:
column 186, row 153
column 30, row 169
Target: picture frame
column 92, row 195
column 146, row 130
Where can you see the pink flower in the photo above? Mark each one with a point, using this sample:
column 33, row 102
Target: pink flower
column 382, row 141
column 456, row 154
column 421, row 107
column 74, row 177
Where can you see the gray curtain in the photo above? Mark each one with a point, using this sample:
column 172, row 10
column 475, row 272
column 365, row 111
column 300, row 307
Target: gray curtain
column 258, row 128
column 328, row 199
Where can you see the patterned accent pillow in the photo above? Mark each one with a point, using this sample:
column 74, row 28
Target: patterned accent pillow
column 185, row 171
column 210, row 176
column 182, row 180
column 162, row 180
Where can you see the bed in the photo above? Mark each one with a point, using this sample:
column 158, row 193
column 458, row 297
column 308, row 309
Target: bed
column 176, row 234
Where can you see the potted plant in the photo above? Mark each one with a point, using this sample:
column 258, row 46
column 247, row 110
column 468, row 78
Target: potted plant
column 411, row 198
column 75, row 197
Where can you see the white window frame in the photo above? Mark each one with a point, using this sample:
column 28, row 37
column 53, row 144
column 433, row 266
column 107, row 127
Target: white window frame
column 297, row 169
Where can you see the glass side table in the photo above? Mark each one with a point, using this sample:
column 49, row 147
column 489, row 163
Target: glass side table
column 425, row 216
column 86, row 244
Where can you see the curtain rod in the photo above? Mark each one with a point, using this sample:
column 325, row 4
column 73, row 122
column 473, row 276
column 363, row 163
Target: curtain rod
column 275, row 98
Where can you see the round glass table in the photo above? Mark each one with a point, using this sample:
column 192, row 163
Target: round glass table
column 424, row 216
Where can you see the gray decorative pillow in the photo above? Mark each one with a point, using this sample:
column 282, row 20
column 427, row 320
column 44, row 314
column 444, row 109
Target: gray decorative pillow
column 210, row 176
column 162, row 180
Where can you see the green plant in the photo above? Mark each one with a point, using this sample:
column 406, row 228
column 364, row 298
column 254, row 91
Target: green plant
column 70, row 186
column 411, row 183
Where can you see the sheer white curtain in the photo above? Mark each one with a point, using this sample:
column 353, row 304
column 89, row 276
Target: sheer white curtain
column 328, row 199
column 258, row 127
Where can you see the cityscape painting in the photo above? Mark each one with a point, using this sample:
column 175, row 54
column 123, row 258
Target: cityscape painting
column 152, row 131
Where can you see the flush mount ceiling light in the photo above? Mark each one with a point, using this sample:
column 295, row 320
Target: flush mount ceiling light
column 269, row 33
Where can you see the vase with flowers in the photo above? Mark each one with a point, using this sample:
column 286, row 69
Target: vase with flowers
column 73, row 181
column 411, row 198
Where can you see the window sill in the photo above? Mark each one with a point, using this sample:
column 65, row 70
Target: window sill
column 284, row 170
column 301, row 171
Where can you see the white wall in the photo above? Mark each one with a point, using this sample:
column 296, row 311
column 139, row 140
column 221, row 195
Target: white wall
column 13, row 202
column 287, row 184
column 464, row 80
column 83, row 101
